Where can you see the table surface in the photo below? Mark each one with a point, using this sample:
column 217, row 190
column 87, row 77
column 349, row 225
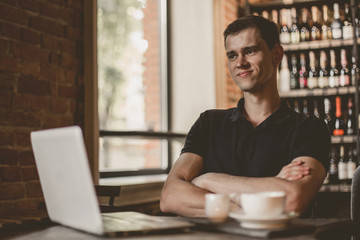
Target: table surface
column 333, row 226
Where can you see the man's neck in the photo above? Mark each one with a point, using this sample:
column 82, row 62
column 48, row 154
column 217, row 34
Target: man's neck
column 257, row 109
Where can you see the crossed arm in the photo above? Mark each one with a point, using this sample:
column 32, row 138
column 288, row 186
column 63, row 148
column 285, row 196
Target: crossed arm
column 184, row 190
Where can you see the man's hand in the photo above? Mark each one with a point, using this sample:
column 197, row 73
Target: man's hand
column 294, row 171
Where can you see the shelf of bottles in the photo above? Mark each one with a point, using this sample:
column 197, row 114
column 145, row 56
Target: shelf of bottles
column 318, row 74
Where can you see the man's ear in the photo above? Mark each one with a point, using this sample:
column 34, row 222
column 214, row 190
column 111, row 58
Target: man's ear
column 278, row 53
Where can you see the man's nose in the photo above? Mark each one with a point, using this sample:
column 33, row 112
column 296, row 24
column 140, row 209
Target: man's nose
column 242, row 62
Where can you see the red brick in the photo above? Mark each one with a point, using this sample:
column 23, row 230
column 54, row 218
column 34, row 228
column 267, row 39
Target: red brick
column 59, row 105
column 50, row 10
column 54, row 59
column 47, row 26
column 10, row 174
column 76, row 4
column 30, row 68
column 30, row 36
column 20, row 118
column 40, row 103
column 33, row 189
column 30, row 173
column 69, row 62
column 71, row 76
column 10, row 30
column 3, row 46
column 26, row 158
column 21, row 101
column 47, row 72
column 57, row 120
column 58, row 2
column 12, row 14
column 29, row 84
column 12, row 191
column 69, row 92
column 22, row 139
column 74, row 33
column 9, row 64
column 50, row 42
column 5, row 98
column 33, row 6
column 29, row 52
column 8, row 156
column 69, row 47
column 6, row 138
column 28, row 203
column 7, row 81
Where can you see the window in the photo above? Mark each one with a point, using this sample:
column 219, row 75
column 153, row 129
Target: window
column 133, row 87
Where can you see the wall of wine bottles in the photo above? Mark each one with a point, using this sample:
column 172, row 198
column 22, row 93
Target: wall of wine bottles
column 319, row 74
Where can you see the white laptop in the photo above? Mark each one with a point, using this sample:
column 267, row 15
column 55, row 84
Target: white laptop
column 69, row 191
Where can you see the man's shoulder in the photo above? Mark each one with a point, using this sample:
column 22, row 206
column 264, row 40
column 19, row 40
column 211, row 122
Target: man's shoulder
column 222, row 114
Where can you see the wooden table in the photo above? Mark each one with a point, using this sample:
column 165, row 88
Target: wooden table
column 335, row 231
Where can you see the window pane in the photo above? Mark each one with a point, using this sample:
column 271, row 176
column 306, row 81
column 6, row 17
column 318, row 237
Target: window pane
column 132, row 82
column 129, row 59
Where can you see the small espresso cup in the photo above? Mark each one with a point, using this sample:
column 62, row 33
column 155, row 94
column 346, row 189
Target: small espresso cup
column 263, row 204
column 217, row 207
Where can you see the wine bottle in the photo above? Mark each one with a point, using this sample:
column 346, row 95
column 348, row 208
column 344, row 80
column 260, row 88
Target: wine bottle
column 294, row 30
column 316, row 27
column 265, row 14
column 284, row 30
column 339, row 121
column 284, row 76
column 344, row 78
column 323, row 80
column 354, row 72
column 313, row 73
column 326, row 25
column 303, row 73
column 333, row 169
column 316, row 109
column 334, row 72
column 348, row 24
column 305, row 108
column 294, row 74
column 350, row 122
column 327, row 114
column 304, row 29
column 342, row 166
column 296, row 106
column 336, row 26
column 351, row 165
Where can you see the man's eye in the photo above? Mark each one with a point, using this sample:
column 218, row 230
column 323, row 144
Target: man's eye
column 231, row 57
column 250, row 52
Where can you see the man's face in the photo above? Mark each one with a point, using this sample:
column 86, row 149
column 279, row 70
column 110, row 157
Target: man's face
column 249, row 60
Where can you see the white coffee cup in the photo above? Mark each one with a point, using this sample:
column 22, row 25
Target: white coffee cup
column 217, row 207
column 263, row 204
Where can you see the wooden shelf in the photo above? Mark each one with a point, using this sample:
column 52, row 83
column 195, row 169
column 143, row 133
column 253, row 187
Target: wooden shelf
column 319, row 44
column 318, row 92
column 335, row 188
column 343, row 139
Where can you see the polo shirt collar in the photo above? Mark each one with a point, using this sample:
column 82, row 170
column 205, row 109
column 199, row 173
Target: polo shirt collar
column 277, row 117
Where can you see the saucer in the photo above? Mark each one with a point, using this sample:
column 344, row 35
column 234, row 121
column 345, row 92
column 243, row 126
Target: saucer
column 259, row 222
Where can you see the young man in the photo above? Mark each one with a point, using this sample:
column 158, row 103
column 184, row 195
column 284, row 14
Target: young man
column 260, row 145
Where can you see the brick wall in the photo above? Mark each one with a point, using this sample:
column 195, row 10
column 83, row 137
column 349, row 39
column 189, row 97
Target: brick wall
column 41, row 86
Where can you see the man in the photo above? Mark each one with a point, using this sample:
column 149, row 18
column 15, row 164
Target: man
column 260, row 145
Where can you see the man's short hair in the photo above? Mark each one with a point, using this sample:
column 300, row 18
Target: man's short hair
column 267, row 29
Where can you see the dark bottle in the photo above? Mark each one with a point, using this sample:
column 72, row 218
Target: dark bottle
column 303, row 73
column 351, row 165
column 339, row 121
column 312, row 81
column 294, row 30
column 334, row 72
column 342, row 166
column 350, row 122
column 344, row 76
column 316, row 27
column 354, row 72
column 305, row 28
column 336, row 26
column 326, row 33
column 296, row 106
column 327, row 117
column 294, row 74
column 316, row 109
column 348, row 24
column 323, row 79
column 305, row 108
column 333, row 169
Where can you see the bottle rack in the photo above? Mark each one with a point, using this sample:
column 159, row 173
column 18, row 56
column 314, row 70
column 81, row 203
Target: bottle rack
column 317, row 45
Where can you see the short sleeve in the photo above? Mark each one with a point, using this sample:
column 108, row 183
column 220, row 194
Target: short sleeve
column 196, row 138
column 313, row 141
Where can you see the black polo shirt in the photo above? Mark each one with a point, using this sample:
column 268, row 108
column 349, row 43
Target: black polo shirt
column 230, row 144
